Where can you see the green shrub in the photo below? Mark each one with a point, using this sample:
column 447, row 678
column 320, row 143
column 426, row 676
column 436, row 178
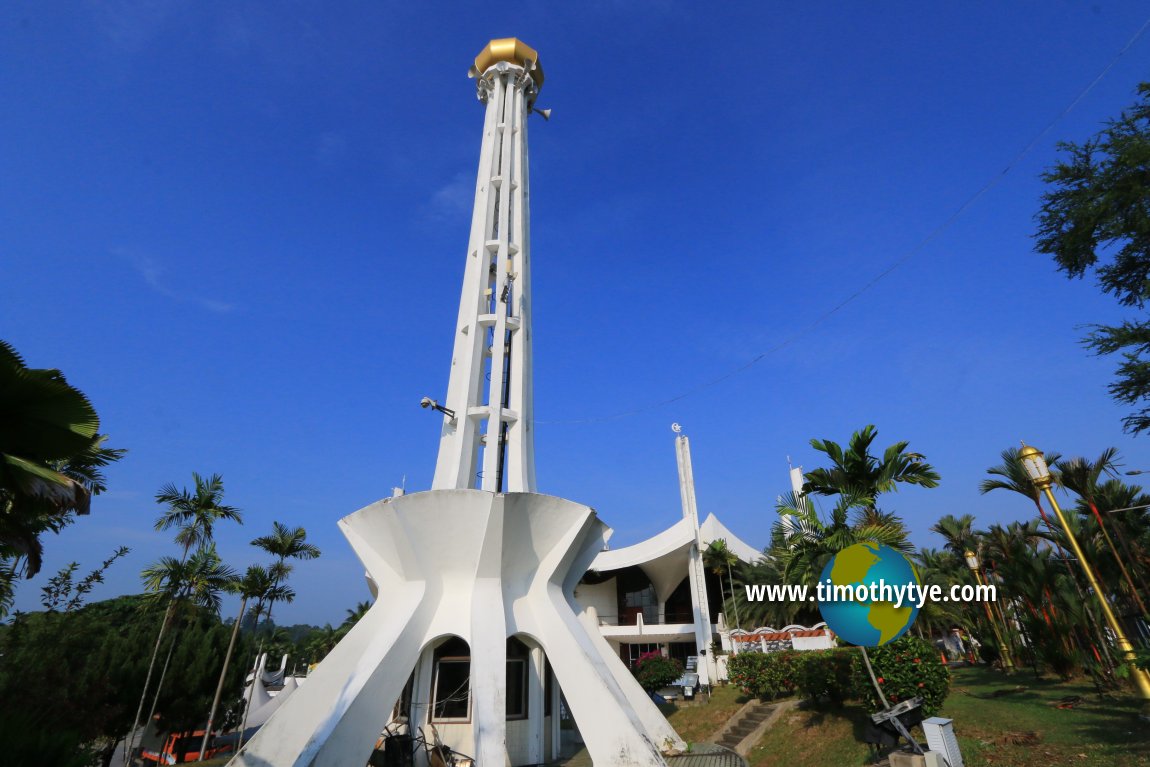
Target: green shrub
column 746, row 671
column 765, row 675
column 826, row 675
column 653, row 671
column 905, row 668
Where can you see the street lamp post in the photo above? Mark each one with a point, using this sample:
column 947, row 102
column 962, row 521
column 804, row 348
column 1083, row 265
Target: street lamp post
column 1007, row 664
column 1039, row 473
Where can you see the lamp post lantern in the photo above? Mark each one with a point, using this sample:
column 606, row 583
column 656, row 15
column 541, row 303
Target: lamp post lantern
column 973, row 563
column 1035, row 465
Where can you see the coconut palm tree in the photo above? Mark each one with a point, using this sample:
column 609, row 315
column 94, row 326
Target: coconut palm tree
column 321, row 641
column 197, row 581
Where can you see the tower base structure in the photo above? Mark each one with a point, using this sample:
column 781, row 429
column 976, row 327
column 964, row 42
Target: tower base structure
column 480, row 568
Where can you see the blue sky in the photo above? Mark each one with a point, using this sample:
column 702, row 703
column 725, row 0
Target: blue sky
column 240, row 229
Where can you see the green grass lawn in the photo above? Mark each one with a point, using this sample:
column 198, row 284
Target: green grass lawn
column 1017, row 729
column 696, row 722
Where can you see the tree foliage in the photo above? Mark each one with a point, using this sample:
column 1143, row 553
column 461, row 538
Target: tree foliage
column 76, row 675
column 51, row 460
column 64, row 592
column 1095, row 218
column 855, row 472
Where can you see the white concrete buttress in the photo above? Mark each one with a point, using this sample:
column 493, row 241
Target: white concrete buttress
column 483, row 567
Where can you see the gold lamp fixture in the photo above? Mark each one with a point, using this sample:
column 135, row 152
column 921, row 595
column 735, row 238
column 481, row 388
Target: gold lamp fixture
column 1004, row 649
column 1034, row 463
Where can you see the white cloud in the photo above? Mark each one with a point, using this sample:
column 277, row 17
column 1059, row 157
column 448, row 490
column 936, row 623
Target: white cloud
column 454, row 198
column 153, row 273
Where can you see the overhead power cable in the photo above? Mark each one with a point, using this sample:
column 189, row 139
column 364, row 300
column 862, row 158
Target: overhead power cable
column 911, row 253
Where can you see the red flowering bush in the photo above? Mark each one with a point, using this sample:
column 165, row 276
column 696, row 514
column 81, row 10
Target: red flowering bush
column 905, row 668
column 653, row 671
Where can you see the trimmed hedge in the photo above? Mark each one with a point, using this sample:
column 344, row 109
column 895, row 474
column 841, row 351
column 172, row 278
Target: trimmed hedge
column 904, row 668
column 764, row 675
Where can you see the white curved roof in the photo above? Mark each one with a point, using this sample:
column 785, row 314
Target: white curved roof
column 712, row 530
column 675, row 537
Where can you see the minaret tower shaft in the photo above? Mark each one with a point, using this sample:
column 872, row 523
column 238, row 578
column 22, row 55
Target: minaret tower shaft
column 487, row 442
column 480, row 559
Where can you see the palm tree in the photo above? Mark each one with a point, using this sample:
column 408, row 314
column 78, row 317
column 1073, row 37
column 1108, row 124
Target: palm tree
column 194, row 514
column 1014, row 478
column 257, row 583
column 190, row 584
column 803, row 547
column 354, row 615
column 945, row 569
column 321, row 641
column 958, row 532
column 197, row 581
column 718, row 557
column 1081, row 476
column 1124, row 507
column 864, row 476
column 285, row 543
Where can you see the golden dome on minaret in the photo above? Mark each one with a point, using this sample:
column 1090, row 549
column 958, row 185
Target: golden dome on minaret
column 513, row 51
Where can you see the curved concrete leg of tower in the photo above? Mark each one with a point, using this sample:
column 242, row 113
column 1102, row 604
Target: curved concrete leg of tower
column 480, row 568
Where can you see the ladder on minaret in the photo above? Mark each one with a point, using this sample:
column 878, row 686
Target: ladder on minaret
column 487, row 441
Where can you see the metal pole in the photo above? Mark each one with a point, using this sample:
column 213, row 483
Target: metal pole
column 1125, row 649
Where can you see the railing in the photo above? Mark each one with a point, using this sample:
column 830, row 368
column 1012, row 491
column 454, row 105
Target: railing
column 675, row 618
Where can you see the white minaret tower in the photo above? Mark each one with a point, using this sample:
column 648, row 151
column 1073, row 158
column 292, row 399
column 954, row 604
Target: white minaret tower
column 476, row 577
column 702, row 607
column 489, row 390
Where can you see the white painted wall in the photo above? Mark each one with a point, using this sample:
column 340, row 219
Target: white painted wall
column 601, row 596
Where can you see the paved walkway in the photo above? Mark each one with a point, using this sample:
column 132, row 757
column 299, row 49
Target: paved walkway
column 702, row 755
